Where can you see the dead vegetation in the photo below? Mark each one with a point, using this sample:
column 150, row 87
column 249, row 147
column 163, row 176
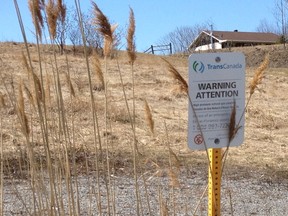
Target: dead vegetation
column 64, row 116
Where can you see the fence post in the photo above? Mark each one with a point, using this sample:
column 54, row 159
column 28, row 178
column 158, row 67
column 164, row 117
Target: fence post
column 170, row 45
column 152, row 50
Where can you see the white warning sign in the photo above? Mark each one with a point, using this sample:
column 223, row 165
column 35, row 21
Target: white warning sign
column 216, row 81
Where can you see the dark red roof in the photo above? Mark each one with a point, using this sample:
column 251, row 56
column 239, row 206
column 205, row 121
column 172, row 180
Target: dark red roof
column 245, row 36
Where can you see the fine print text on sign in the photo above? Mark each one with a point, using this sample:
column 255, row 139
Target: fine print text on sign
column 216, row 80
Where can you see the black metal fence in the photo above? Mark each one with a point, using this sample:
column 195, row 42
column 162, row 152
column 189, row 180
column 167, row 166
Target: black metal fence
column 159, row 48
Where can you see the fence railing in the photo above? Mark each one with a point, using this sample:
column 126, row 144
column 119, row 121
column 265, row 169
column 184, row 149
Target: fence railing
column 158, row 48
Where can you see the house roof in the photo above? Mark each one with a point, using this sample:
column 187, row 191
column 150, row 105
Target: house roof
column 236, row 36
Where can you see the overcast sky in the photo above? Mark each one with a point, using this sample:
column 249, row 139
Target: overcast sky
column 155, row 18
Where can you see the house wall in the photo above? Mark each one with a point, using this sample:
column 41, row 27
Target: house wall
column 209, row 47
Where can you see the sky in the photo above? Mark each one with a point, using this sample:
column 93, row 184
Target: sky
column 154, row 18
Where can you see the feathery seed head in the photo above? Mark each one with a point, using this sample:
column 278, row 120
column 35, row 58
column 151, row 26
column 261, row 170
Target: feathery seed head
column 259, row 75
column 105, row 29
column 149, row 117
column 61, row 11
column 130, row 38
column 35, row 7
column 52, row 11
column 177, row 76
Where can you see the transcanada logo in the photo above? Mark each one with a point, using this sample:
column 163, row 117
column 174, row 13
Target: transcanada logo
column 198, row 66
column 224, row 66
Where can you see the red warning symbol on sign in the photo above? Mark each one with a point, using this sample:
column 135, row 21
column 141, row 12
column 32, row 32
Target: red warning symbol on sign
column 198, row 139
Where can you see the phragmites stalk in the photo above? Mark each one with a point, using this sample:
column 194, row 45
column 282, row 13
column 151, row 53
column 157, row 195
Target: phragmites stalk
column 61, row 10
column 177, row 76
column 38, row 90
column 29, row 95
column 149, row 117
column 131, row 48
column 232, row 122
column 35, row 7
column 98, row 71
column 52, row 16
column 258, row 75
column 21, row 111
column 173, row 177
column 105, row 29
column 2, row 101
column 26, row 65
column 69, row 82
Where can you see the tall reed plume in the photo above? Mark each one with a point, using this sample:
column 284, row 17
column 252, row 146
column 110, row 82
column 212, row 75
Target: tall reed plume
column 149, row 117
column 61, row 10
column 177, row 76
column 52, row 11
column 131, row 47
column 35, row 7
column 258, row 75
column 105, row 29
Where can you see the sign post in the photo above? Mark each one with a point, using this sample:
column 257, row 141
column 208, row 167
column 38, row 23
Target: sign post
column 214, row 182
column 216, row 87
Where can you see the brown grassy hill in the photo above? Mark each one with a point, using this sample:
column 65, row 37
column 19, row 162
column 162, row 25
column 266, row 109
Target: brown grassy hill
column 265, row 147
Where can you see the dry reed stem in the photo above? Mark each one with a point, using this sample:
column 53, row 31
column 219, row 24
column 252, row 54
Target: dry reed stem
column 21, row 111
column 2, row 101
column 177, row 76
column 258, row 75
column 29, row 95
column 149, row 117
column 232, row 131
column 52, row 16
column 35, row 9
column 47, row 90
column 131, row 48
column 164, row 211
column 173, row 177
column 25, row 63
column 98, row 70
column 69, row 82
column 38, row 90
column 176, row 159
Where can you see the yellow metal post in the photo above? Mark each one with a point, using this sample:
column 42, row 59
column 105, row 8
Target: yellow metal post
column 214, row 197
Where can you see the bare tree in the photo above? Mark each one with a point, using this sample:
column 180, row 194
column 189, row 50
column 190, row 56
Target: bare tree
column 265, row 26
column 93, row 38
column 182, row 37
column 280, row 14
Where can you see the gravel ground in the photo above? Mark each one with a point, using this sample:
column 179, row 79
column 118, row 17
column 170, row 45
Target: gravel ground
column 251, row 196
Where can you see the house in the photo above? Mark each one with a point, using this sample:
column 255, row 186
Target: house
column 226, row 39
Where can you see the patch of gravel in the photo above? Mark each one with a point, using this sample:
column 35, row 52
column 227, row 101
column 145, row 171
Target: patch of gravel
column 252, row 196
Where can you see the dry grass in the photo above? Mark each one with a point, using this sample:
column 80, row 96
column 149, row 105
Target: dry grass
column 265, row 146
column 53, row 132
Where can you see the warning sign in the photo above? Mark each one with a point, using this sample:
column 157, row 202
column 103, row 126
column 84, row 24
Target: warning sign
column 216, row 80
